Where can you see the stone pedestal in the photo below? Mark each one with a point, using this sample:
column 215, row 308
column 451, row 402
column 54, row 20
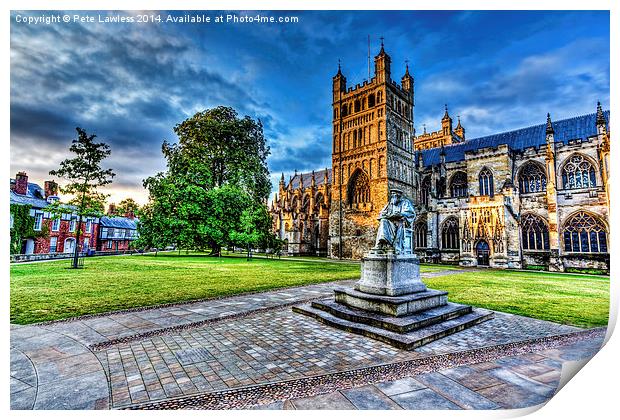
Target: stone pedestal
column 390, row 274
column 390, row 303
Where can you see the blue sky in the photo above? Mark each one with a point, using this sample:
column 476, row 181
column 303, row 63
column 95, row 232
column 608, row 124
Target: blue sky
column 131, row 83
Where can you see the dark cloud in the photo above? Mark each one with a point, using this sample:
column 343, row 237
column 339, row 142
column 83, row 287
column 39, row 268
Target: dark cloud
column 130, row 84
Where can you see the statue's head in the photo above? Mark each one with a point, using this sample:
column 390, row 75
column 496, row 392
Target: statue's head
column 395, row 195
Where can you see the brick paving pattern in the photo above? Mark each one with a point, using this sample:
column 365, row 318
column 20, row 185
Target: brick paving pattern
column 151, row 356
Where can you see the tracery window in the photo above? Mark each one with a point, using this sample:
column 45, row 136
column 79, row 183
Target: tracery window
column 578, row 172
column 305, row 203
column 458, row 185
column 318, row 201
column 359, row 188
column 425, row 191
column 450, row 234
column 534, row 233
column 420, row 231
column 584, row 233
column 485, row 178
column 532, row 178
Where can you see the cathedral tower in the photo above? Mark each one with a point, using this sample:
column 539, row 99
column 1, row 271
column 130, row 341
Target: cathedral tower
column 372, row 152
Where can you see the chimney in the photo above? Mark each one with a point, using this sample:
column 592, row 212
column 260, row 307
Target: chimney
column 112, row 209
column 51, row 189
column 21, row 183
column 130, row 215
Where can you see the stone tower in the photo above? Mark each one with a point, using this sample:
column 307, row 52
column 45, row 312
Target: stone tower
column 372, row 152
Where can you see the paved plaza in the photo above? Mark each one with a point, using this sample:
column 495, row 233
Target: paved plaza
column 253, row 351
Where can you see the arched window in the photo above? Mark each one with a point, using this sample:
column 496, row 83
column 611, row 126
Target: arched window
column 318, row 201
column 534, row 233
column 294, row 203
column 450, row 234
column 305, row 203
column 485, row 178
column 371, row 100
column 357, row 105
column 343, row 111
column 532, row 178
column 578, row 172
column 359, row 188
column 335, row 113
column 425, row 190
column 379, row 97
column 420, row 231
column 458, row 185
column 584, row 233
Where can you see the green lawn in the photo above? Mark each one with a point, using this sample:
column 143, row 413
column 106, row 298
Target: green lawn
column 47, row 291
column 579, row 300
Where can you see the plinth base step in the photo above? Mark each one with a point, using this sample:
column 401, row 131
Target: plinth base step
column 406, row 332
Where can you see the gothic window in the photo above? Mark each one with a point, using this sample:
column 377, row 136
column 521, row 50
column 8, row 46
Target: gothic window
column 343, row 111
column 357, row 105
column 305, row 204
column 578, row 172
column 359, row 188
column 584, row 233
column 420, row 231
column 379, row 97
column 425, row 191
column 485, row 178
column 354, row 138
column 534, row 233
column 318, row 201
column 294, row 204
column 335, row 113
column 532, row 178
column 458, row 185
column 450, row 234
column 371, row 100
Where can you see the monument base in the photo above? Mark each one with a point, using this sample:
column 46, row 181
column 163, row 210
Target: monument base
column 391, row 304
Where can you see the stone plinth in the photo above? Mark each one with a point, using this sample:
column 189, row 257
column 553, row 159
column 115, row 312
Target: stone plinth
column 391, row 304
column 390, row 274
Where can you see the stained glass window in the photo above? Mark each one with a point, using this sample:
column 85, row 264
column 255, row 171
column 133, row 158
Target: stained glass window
column 532, row 178
column 458, row 185
column 450, row 234
column 485, row 179
column 534, row 233
column 578, row 172
column 584, row 233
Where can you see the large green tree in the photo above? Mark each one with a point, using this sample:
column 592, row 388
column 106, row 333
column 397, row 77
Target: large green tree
column 216, row 171
column 85, row 175
column 126, row 206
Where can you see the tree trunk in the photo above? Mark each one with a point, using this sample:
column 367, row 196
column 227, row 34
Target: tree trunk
column 76, row 252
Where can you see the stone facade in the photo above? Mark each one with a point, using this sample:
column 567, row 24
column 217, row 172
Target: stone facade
column 536, row 197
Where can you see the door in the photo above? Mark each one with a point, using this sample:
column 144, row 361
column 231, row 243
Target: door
column 482, row 253
column 29, row 247
column 69, row 247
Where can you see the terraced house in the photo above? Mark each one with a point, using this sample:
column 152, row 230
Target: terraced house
column 534, row 197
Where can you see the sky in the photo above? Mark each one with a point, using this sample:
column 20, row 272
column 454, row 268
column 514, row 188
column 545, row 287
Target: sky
column 131, row 83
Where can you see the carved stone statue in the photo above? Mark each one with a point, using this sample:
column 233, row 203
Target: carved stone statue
column 397, row 215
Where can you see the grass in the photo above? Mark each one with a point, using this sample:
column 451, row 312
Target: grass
column 49, row 291
column 580, row 300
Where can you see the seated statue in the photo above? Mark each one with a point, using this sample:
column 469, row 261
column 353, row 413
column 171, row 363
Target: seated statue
column 397, row 215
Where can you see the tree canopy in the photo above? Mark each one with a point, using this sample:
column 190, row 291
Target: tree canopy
column 216, row 178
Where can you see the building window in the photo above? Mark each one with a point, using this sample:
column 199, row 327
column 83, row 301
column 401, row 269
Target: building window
column 450, row 234
column 89, row 226
column 38, row 221
column 485, row 178
column 534, row 233
column 72, row 224
column 425, row 191
column 12, row 221
column 53, row 243
column 110, row 244
column 458, row 184
column 578, row 172
column 532, row 178
column 359, row 188
column 584, row 233
column 420, row 231
column 55, row 225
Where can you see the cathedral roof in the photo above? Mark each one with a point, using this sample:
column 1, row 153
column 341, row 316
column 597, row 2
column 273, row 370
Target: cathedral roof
column 574, row 128
column 319, row 177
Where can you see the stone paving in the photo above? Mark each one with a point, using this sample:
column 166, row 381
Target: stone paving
column 149, row 356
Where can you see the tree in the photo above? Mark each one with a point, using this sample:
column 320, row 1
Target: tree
column 217, row 170
column 85, row 175
column 23, row 227
column 127, row 206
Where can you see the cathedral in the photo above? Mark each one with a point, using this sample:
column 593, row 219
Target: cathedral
column 536, row 197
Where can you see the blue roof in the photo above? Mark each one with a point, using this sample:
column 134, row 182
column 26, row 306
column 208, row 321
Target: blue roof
column 34, row 196
column 574, row 128
column 118, row 222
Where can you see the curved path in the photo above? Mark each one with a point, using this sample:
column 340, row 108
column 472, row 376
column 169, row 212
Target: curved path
column 219, row 353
